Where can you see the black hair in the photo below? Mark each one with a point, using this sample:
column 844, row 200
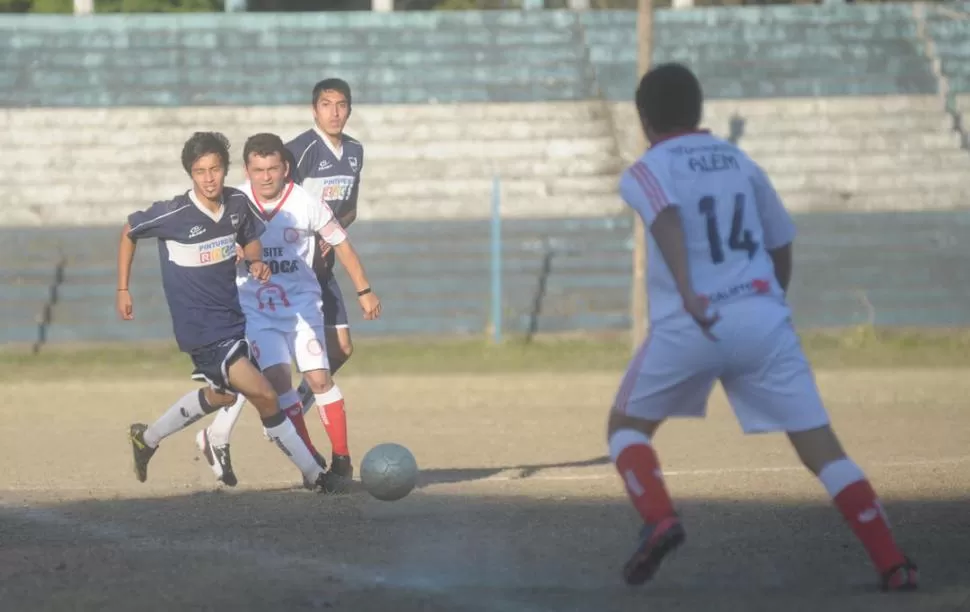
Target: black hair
column 670, row 99
column 202, row 144
column 331, row 85
column 264, row 145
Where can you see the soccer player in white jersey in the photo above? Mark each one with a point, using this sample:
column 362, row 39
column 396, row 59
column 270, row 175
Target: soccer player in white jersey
column 197, row 232
column 284, row 318
column 720, row 244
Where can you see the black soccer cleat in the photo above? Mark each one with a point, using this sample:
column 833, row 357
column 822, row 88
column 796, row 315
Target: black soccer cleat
column 656, row 542
column 141, row 452
column 340, row 466
column 217, row 457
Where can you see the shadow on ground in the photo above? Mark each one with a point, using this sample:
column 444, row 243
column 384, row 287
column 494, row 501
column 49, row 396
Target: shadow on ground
column 294, row 550
column 455, row 475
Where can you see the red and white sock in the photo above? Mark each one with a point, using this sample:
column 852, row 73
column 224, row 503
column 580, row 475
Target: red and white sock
column 855, row 499
column 637, row 463
column 293, row 407
column 334, row 417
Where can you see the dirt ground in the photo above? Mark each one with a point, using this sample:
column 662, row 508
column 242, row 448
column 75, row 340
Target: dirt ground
column 518, row 508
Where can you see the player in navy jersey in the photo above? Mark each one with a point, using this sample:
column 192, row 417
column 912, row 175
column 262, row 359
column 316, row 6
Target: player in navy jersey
column 197, row 234
column 327, row 163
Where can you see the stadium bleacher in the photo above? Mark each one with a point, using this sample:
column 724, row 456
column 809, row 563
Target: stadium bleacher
column 840, row 103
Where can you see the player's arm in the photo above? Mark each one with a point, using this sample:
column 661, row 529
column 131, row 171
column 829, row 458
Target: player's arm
column 777, row 224
column 250, row 229
column 126, row 255
column 148, row 223
column 645, row 193
column 330, row 231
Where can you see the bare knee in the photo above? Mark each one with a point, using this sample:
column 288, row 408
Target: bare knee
column 817, row 447
column 319, row 381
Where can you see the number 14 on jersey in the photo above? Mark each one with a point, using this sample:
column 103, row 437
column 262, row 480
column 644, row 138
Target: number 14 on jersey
column 739, row 239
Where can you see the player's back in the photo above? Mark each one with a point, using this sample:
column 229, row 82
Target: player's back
column 730, row 214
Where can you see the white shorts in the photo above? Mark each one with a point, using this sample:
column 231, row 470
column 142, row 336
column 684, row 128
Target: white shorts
column 273, row 347
column 758, row 359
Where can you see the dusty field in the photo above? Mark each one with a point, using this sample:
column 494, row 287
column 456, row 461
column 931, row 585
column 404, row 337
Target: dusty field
column 518, row 507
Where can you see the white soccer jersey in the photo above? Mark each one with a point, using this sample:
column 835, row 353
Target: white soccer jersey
column 730, row 213
column 291, row 300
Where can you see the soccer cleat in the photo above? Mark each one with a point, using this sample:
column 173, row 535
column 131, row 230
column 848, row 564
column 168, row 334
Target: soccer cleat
column 340, row 466
column 320, row 461
column 903, row 577
column 141, row 452
column 326, row 483
column 656, row 541
column 217, row 457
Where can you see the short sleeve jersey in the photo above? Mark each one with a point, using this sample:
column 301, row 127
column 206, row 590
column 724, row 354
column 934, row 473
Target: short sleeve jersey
column 197, row 255
column 731, row 216
column 291, row 299
column 331, row 177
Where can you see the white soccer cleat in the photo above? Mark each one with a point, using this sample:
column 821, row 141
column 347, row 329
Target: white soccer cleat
column 202, row 443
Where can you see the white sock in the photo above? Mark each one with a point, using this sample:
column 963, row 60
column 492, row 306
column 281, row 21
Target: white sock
column 221, row 428
column 285, row 436
column 839, row 474
column 183, row 413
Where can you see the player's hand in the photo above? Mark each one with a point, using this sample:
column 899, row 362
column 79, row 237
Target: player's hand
column 260, row 271
column 240, row 255
column 371, row 305
column 324, row 247
column 124, row 306
column 699, row 308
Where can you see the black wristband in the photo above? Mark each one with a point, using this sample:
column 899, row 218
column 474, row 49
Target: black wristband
column 363, row 292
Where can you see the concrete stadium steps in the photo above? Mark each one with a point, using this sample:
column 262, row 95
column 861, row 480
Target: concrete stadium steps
column 768, row 52
column 429, row 160
column 883, row 153
column 962, row 103
column 948, row 26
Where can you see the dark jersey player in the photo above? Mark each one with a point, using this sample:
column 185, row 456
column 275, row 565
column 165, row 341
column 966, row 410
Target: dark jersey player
column 197, row 234
column 327, row 163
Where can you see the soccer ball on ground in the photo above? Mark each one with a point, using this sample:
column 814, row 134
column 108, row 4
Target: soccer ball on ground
column 388, row 471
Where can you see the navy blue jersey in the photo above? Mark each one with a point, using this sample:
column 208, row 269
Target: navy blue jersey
column 197, row 254
column 325, row 175
column 328, row 176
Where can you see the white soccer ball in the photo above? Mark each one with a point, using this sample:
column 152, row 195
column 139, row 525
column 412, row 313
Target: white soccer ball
column 388, row 471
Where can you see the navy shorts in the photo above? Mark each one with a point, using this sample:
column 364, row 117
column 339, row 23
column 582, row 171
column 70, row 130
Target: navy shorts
column 334, row 311
column 212, row 362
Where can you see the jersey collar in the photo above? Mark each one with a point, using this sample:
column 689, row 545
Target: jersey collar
column 338, row 151
column 268, row 216
column 215, row 216
column 673, row 135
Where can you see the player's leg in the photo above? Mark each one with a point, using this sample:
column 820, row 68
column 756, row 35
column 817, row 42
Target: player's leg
column 666, row 378
column 775, row 391
column 213, row 441
column 244, row 376
column 187, row 410
column 280, row 377
column 312, row 360
column 340, row 346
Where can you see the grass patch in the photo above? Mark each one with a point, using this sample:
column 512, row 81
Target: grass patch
column 856, row 348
